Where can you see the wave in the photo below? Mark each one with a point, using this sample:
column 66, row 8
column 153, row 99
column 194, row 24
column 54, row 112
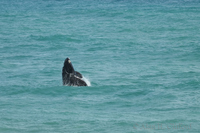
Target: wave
column 56, row 37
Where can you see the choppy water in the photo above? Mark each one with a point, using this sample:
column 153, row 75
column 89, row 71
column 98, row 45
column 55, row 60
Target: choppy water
column 141, row 58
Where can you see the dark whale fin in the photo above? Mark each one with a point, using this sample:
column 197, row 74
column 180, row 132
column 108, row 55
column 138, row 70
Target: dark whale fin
column 80, row 82
column 78, row 74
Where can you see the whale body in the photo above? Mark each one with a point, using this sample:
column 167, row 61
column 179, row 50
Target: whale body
column 71, row 77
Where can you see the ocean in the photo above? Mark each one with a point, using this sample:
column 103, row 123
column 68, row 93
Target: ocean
column 141, row 58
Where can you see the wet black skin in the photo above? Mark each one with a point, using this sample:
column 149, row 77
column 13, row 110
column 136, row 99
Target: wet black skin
column 70, row 76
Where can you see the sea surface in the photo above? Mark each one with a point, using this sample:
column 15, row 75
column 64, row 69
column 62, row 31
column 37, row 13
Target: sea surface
column 141, row 57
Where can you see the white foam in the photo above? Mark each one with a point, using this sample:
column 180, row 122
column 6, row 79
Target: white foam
column 87, row 81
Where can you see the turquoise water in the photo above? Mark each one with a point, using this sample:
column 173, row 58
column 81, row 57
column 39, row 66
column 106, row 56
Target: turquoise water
column 141, row 58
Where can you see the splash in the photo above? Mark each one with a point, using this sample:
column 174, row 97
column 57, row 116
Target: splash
column 87, row 81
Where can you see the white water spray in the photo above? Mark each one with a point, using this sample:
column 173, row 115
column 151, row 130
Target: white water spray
column 87, row 81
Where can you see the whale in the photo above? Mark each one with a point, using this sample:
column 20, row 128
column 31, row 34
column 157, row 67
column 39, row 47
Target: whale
column 71, row 77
